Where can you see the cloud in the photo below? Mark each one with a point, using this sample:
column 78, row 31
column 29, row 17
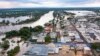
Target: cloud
column 95, row 3
column 48, row 3
column 14, row 4
column 5, row 4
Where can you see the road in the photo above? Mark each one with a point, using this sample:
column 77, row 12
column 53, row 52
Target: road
column 83, row 38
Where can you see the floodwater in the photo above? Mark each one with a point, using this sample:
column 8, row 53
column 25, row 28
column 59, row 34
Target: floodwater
column 14, row 20
column 44, row 19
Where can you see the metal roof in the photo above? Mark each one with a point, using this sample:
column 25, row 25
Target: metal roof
column 38, row 50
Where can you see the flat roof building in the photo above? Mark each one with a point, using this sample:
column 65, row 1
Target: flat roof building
column 37, row 50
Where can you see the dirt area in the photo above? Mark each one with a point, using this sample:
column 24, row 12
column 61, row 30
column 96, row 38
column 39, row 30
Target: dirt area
column 66, row 52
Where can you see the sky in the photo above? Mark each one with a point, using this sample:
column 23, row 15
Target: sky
column 48, row 3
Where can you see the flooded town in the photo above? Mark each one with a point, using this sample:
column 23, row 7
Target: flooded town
column 49, row 31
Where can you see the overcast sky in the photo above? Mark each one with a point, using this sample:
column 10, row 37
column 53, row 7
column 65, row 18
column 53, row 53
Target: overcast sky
column 48, row 3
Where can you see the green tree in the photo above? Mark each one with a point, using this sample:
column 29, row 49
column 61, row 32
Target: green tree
column 95, row 45
column 38, row 29
column 47, row 39
column 5, row 45
column 25, row 33
column 11, row 34
column 14, row 51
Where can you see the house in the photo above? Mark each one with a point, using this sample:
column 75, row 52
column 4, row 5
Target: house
column 82, row 22
column 52, row 49
column 40, row 40
column 65, row 39
column 87, row 51
column 48, row 27
column 53, row 36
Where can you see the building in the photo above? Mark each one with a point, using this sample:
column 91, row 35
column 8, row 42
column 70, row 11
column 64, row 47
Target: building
column 52, row 49
column 48, row 27
column 87, row 51
column 37, row 50
column 42, row 50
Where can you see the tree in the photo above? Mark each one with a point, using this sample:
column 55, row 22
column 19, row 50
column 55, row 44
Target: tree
column 38, row 29
column 47, row 39
column 95, row 45
column 5, row 45
column 11, row 34
column 14, row 51
column 24, row 37
column 3, row 21
column 25, row 33
column 7, row 22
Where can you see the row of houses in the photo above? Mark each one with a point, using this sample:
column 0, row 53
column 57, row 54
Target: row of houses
column 52, row 49
column 89, row 30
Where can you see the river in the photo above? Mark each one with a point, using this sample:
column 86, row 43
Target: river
column 43, row 19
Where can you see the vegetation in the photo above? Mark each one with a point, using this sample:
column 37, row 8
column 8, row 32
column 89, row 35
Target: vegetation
column 37, row 29
column 47, row 39
column 95, row 46
column 11, row 34
column 4, row 22
column 5, row 45
column 20, row 12
column 24, row 32
column 3, row 39
column 14, row 51
column 35, row 15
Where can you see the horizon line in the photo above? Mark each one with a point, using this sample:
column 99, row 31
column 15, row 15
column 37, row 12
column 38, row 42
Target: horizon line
column 48, row 7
